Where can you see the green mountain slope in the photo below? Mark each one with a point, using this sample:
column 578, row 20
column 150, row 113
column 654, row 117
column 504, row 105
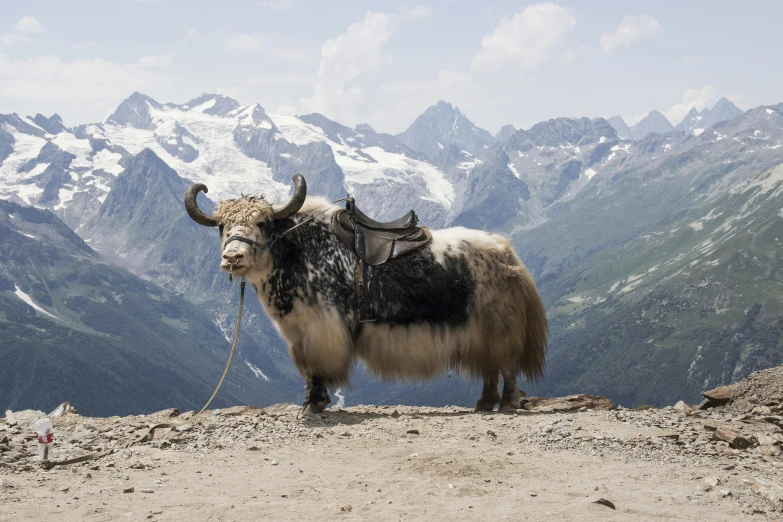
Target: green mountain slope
column 76, row 328
column 686, row 307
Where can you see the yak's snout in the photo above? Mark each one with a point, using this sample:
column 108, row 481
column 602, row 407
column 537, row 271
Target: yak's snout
column 233, row 258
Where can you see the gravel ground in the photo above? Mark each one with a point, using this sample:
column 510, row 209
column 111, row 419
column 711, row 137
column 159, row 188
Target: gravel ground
column 403, row 463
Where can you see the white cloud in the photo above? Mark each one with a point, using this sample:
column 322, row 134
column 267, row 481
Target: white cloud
column 13, row 38
column 29, row 24
column 526, row 39
column 162, row 60
column 78, row 88
column 192, row 33
column 243, row 42
column 631, row 29
column 698, row 98
column 411, row 14
column 345, row 60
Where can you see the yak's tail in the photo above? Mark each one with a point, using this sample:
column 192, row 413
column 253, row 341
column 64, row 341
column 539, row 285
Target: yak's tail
column 536, row 329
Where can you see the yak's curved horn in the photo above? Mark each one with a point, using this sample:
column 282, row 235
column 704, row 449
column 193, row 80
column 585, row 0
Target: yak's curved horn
column 191, row 206
column 296, row 202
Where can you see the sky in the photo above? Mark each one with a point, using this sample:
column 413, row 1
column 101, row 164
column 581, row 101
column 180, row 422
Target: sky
column 384, row 62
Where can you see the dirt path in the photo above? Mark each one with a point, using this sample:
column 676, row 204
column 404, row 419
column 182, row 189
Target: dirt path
column 369, row 463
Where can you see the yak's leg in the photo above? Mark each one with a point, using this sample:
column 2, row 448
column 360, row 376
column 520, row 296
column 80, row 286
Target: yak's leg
column 317, row 395
column 489, row 394
column 512, row 396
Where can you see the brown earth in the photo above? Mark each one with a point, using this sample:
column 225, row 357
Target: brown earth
column 555, row 460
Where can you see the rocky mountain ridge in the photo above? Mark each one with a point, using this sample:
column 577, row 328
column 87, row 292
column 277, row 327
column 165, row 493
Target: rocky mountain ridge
column 571, row 192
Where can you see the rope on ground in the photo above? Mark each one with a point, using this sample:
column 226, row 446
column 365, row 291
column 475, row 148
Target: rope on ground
column 48, row 464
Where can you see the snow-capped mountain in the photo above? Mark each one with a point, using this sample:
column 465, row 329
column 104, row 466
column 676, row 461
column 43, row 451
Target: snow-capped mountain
column 212, row 139
column 696, row 121
column 567, row 191
column 442, row 125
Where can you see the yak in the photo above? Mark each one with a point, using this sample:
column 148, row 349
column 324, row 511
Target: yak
column 463, row 301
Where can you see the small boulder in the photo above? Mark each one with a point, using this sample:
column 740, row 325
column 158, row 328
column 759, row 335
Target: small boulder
column 734, row 439
column 719, row 396
column 681, row 406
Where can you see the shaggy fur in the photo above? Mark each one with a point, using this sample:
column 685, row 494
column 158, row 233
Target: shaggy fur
column 464, row 301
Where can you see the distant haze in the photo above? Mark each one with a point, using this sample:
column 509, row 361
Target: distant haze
column 500, row 62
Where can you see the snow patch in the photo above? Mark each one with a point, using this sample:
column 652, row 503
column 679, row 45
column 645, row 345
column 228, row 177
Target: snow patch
column 696, row 132
column 589, row 173
column 514, row 170
column 38, row 169
column 26, row 298
column 256, row 371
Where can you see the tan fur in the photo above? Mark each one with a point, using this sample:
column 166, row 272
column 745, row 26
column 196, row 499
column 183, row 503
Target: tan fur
column 507, row 330
column 318, row 341
column 243, row 210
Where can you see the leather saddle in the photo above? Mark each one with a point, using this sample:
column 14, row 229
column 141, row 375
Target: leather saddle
column 374, row 243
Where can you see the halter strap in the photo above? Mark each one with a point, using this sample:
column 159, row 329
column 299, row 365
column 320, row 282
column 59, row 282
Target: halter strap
column 243, row 240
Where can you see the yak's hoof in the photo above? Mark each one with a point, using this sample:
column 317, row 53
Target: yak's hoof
column 485, row 405
column 312, row 408
column 511, row 405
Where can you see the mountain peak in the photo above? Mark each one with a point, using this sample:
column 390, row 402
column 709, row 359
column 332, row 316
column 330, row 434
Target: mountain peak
column 505, row 133
column 726, row 110
column 220, row 105
column 365, row 127
column 443, row 124
column 134, row 111
column 53, row 125
column 654, row 122
column 695, row 120
column 620, row 127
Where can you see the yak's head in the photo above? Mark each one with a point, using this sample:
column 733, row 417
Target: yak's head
column 246, row 225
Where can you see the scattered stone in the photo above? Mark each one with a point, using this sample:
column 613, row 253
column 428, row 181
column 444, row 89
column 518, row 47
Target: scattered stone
column 9, row 418
column 346, row 508
column 605, row 502
column 147, row 491
column 719, row 396
column 567, row 404
column 413, row 432
column 492, row 434
column 63, row 408
column 681, row 406
column 735, row 440
column 128, row 490
column 346, row 434
column 712, row 481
